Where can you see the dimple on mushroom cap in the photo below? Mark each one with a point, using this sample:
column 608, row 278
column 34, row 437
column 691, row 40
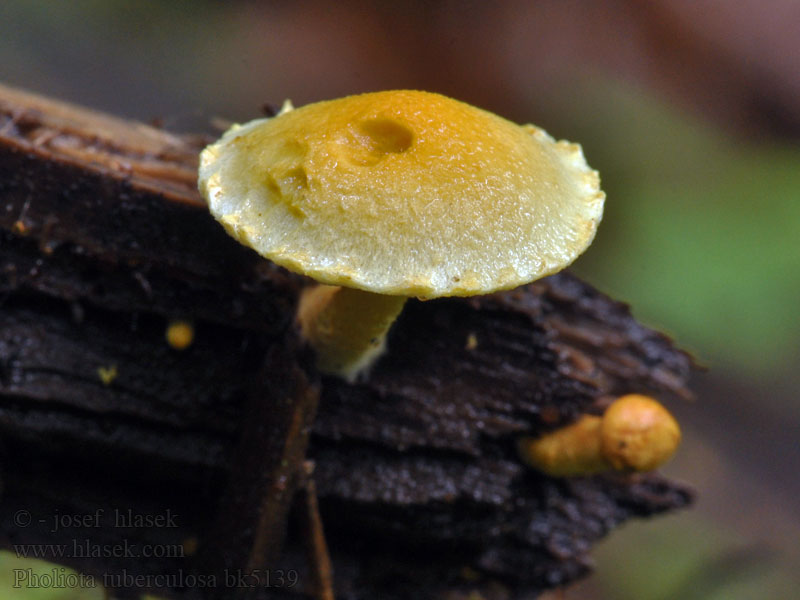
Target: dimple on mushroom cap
column 404, row 193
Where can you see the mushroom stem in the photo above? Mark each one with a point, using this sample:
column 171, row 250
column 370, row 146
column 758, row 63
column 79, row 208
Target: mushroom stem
column 346, row 327
column 567, row 452
column 636, row 433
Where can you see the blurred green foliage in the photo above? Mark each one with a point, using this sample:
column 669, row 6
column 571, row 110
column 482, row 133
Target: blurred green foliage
column 700, row 235
column 34, row 579
column 686, row 557
column 700, row 232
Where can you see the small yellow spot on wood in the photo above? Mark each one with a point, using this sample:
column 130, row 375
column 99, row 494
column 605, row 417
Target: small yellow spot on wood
column 107, row 374
column 190, row 545
column 180, row 334
column 472, row 342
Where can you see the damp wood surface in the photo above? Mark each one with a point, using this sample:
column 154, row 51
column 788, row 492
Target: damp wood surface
column 104, row 241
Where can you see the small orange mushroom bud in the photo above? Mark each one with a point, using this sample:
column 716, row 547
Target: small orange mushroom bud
column 180, row 334
column 20, row 228
column 636, row 433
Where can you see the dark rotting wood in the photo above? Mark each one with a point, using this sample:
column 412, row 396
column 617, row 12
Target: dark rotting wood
column 267, row 469
column 319, row 561
column 104, row 240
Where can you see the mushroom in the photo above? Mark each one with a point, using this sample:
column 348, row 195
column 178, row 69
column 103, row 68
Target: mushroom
column 635, row 433
column 179, row 334
column 390, row 195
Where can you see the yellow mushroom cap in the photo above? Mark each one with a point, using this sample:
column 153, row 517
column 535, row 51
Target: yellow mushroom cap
column 405, row 193
column 638, row 433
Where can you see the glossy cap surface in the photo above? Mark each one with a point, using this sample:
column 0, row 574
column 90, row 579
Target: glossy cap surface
column 404, row 193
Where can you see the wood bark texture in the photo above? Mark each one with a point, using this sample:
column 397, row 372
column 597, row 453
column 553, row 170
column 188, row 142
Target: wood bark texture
column 412, row 473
